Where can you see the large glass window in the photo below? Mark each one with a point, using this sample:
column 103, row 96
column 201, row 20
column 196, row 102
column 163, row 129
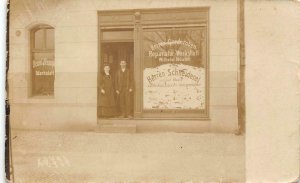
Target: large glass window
column 174, row 70
column 42, row 61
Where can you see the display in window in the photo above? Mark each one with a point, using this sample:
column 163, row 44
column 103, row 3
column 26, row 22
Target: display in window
column 174, row 76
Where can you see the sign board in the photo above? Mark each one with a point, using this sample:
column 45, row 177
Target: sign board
column 174, row 86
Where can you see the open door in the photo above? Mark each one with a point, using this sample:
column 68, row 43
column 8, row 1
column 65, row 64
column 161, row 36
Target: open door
column 111, row 102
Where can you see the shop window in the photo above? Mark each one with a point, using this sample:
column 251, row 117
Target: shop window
column 174, row 72
column 42, row 61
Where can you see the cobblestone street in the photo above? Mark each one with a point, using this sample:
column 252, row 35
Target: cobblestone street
column 90, row 157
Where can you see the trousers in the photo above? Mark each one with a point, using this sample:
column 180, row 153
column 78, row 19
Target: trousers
column 125, row 102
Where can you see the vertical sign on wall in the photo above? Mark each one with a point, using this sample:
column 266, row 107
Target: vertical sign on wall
column 174, row 75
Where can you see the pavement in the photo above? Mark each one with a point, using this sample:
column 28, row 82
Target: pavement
column 91, row 157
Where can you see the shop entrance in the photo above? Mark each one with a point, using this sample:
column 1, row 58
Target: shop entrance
column 115, row 80
column 170, row 60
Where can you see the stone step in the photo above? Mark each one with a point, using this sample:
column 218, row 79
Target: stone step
column 116, row 128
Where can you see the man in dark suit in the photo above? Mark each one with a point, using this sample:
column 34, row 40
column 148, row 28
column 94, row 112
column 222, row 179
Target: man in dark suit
column 124, row 89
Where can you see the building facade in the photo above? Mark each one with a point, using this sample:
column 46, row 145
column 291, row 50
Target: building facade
column 183, row 59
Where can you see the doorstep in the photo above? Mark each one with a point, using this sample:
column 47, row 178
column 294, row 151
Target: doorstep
column 116, row 128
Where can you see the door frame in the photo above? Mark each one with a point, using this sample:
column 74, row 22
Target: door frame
column 100, row 51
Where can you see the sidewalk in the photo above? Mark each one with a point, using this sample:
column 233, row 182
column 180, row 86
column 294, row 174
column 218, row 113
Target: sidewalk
column 89, row 157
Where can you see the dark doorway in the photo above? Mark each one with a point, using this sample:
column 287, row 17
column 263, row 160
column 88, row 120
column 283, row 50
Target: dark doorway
column 110, row 99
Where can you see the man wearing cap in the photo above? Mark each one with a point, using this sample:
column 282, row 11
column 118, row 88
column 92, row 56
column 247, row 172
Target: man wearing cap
column 124, row 89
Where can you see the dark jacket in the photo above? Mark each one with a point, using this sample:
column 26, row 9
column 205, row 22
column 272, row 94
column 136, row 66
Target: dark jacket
column 107, row 84
column 123, row 80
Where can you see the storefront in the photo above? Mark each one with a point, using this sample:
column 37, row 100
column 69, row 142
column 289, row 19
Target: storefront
column 166, row 52
column 182, row 66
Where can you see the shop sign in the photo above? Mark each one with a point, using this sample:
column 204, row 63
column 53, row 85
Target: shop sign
column 174, row 86
column 174, row 73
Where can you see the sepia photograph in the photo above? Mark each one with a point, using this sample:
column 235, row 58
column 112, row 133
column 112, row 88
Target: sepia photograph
column 151, row 91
